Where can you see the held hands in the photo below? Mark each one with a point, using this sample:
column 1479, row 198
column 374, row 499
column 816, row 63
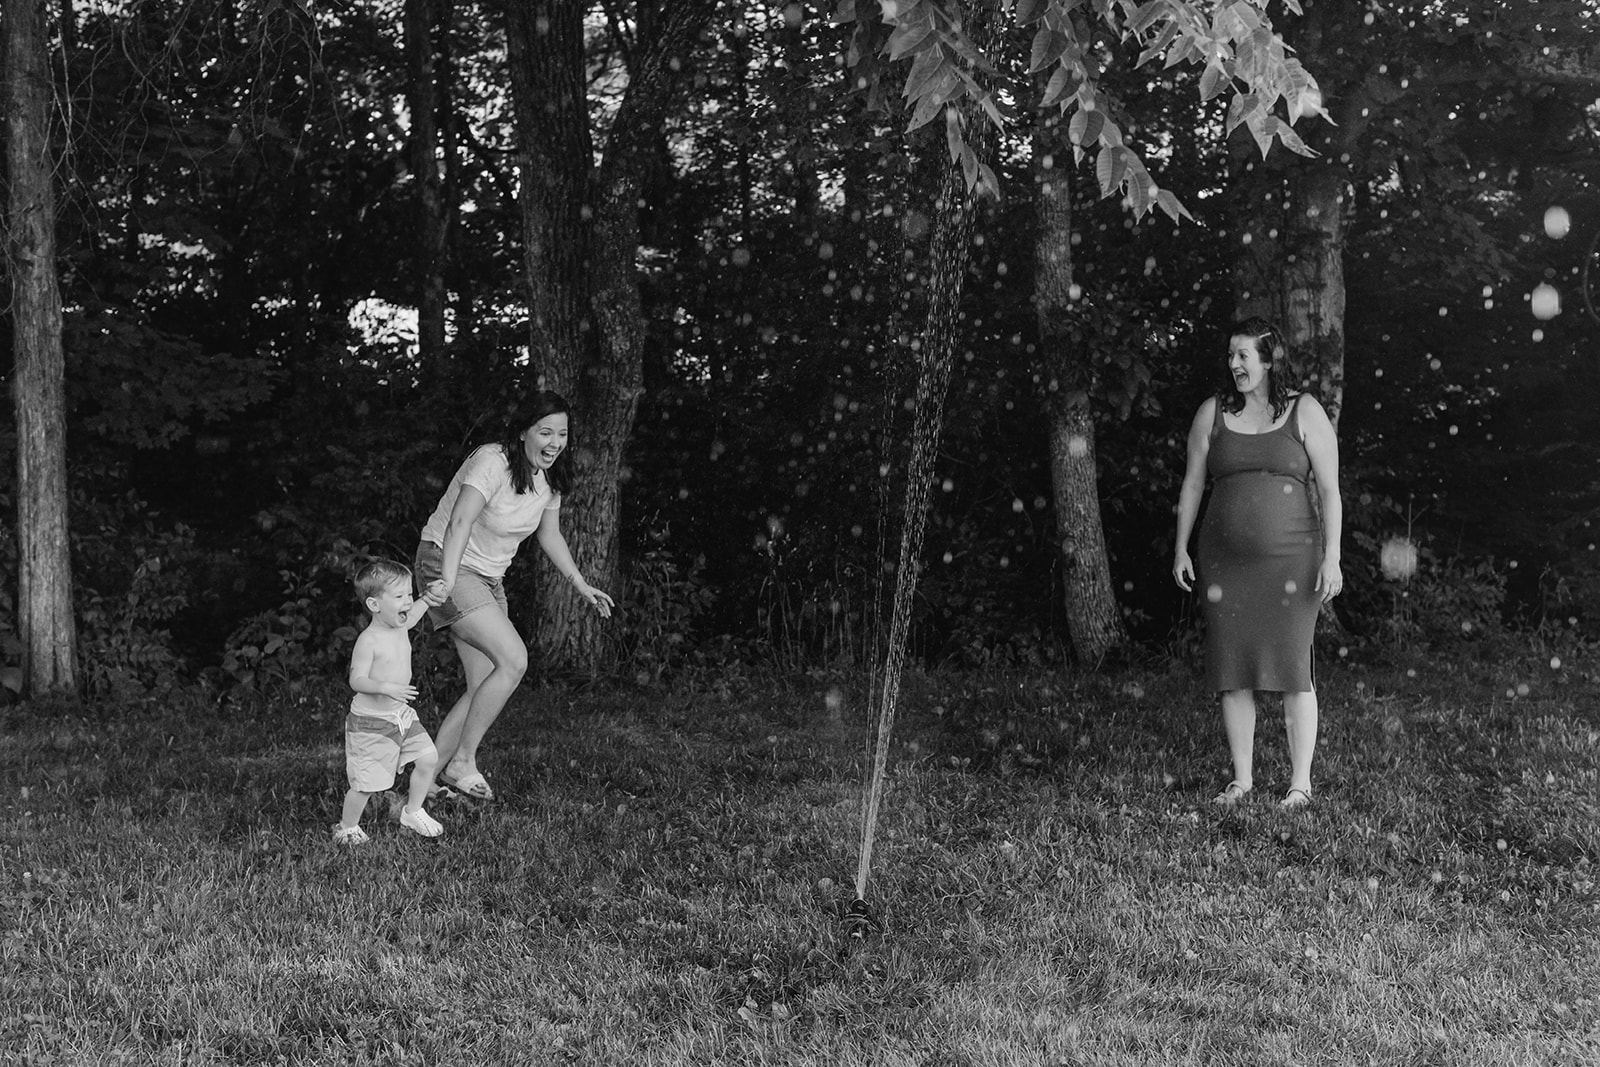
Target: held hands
column 1183, row 570
column 1330, row 579
column 436, row 593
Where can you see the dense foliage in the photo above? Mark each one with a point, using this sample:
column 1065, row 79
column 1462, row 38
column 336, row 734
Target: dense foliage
column 250, row 413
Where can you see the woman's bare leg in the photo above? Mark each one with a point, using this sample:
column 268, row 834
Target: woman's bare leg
column 1300, row 724
column 494, row 659
column 1239, row 721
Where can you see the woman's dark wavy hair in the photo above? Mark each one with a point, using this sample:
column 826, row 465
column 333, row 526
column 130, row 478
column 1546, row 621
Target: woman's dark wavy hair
column 1274, row 354
column 520, row 415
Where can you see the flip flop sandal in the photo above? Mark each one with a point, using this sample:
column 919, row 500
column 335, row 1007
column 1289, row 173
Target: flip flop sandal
column 472, row 785
column 1294, row 800
column 1231, row 794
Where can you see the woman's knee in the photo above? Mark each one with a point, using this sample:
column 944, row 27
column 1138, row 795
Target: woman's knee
column 497, row 641
column 512, row 660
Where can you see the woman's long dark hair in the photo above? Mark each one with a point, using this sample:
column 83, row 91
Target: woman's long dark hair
column 520, row 416
column 1274, row 355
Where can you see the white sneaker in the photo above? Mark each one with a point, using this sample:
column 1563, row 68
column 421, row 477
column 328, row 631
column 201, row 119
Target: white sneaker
column 350, row 835
column 421, row 822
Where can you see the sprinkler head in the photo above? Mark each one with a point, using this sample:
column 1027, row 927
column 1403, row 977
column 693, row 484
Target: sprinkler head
column 859, row 920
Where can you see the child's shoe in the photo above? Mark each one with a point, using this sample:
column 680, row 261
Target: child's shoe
column 350, row 835
column 420, row 822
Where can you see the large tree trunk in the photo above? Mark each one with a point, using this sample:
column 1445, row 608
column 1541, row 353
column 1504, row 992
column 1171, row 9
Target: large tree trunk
column 581, row 231
column 1291, row 268
column 422, row 93
column 1094, row 619
column 44, row 565
column 1295, row 278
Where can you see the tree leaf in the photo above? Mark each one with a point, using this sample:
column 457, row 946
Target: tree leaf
column 1292, row 141
column 1048, row 46
column 1303, row 95
column 1085, row 127
column 1030, row 11
column 909, row 37
column 1159, row 45
column 1213, row 82
column 1172, row 206
column 1111, row 168
column 1146, row 16
column 1240, row 109
column 969, row 167
column 926, row 109
column 924, row 69
column 987, row 182
column 1061, row 82
column 1260, row 128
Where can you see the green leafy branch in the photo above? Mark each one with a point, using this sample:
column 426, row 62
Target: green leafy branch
column 1232, row 40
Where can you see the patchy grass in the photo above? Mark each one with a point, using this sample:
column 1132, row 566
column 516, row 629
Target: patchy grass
column 664, row 879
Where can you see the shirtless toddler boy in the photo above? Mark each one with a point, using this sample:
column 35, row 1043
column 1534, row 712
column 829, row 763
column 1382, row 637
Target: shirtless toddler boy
column 381, row 733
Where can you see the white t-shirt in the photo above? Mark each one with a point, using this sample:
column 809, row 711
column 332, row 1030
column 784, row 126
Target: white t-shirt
column 507, row 518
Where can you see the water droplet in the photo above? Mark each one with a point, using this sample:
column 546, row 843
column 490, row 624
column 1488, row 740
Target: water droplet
column 1557, row 222
column 740, row 257
column 1077, row 446
column 1555, row 663
column 1545, row 301
column 1398, row 558
column 1214, row 593
column 1291, row 587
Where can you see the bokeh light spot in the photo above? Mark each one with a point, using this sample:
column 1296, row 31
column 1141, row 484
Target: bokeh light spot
column 1398, row 558
column 1545, row 301
column 1557, row 222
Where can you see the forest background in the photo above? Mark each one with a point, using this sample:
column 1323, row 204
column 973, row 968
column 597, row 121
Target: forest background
column 297, row 283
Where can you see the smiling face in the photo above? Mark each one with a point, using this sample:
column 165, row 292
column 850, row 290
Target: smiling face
column 1245, row 364
column 390, row 605
column 545, row 440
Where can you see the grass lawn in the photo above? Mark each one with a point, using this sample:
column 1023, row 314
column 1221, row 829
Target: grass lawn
column 664, row 876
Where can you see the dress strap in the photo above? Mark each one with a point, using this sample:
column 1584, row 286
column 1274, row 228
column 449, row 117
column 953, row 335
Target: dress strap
column 1294, row 417
column 1216, row 417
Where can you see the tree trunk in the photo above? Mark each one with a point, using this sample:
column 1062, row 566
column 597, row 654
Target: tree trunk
column 1094, row 620
column 1291, row 270
column 421, row 17
column 44, row 564
column 581, row 232
column 1292, row 207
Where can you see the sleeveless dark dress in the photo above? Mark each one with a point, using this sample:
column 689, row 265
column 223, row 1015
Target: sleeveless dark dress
column 1260, row 548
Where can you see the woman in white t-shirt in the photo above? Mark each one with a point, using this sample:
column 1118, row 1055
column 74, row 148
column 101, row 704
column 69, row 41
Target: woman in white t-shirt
column 503, row 493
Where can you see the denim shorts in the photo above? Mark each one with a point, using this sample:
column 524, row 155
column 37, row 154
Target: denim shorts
column 472, row 590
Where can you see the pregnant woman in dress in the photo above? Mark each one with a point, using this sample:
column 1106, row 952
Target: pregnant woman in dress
column 1266, row 564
